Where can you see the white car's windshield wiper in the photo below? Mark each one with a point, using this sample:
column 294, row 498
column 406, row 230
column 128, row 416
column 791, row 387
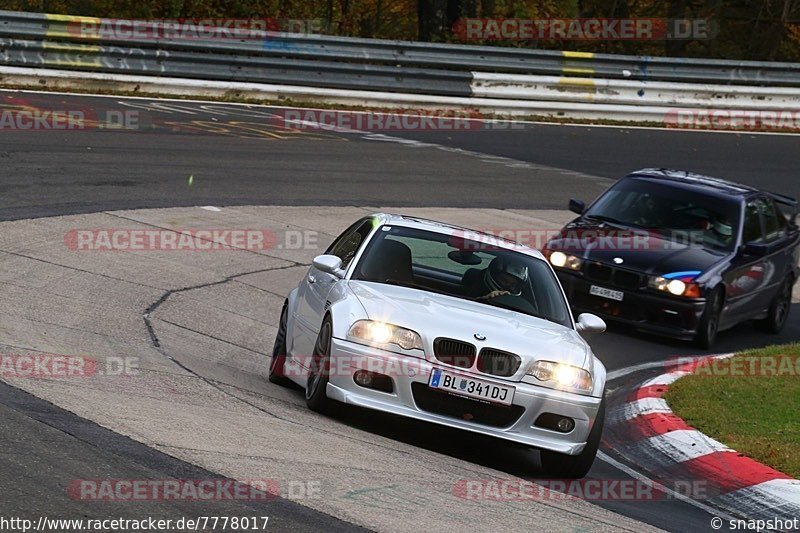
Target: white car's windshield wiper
column 494, row 302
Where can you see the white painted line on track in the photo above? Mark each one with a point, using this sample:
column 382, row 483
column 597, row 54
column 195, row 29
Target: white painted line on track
column 685, row 444
column 665, row 379
column 787, row 490
column 673, row 494
column 784, row 489
column 622, row 372
column 777, row 498
column 645, row 406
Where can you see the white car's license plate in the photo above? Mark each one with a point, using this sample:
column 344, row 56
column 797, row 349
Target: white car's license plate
column 471, row 388
column 606, row 293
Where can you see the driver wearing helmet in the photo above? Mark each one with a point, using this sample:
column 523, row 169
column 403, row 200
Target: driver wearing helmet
column 504, row 276
column 648, row 212
column 722, row 230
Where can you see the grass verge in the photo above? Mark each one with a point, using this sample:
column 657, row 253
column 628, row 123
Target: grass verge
column 747, row 406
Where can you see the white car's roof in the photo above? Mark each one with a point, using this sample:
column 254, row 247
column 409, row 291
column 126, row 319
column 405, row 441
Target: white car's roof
column 457, row 231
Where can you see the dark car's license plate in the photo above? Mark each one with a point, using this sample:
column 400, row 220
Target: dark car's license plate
column 611, row 294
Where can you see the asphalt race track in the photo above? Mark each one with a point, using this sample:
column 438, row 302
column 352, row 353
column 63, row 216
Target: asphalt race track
column 240, row 156
column 186, row 154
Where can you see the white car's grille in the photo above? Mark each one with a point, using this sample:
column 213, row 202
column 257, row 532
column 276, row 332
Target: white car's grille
column 498, row 362
column 454, row 352
column 462, row 354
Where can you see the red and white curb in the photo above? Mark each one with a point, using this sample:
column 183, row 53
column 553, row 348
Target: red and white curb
column 668, row 448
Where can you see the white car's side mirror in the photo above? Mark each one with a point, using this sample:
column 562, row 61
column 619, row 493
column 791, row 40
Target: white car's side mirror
column 330, row 264
column 589, row 323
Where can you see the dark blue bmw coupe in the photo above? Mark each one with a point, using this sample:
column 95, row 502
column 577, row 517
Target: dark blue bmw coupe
column 680, row 254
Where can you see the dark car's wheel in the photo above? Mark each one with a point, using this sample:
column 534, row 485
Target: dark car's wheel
column 779, row 309
column 709, row 323
column 316, row 395
column 278, row 358
column 560, row 466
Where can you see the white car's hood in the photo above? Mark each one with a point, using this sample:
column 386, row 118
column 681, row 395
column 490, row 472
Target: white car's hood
column 434, row 315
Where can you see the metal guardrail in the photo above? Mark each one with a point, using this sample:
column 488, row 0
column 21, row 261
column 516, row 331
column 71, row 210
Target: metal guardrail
column 401, row 54
column 353, row 64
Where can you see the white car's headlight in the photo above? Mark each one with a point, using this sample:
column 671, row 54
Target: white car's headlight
column 562, row 376
column 375, row 332
column 562, row 260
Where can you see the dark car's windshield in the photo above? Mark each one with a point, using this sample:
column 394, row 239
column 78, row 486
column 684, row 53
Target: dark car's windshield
column 463, row 268
column 674, row 213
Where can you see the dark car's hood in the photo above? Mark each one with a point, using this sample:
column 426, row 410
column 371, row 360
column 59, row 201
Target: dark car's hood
column 640, row 250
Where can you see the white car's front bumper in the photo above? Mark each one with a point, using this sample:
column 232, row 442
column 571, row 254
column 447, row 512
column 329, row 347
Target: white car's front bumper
column 529, row 400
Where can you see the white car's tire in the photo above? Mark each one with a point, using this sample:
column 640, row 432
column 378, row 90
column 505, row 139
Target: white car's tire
column 278, row 358
column 319, row 373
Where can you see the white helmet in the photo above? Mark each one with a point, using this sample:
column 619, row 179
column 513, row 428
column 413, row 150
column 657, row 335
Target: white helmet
column 723, row 227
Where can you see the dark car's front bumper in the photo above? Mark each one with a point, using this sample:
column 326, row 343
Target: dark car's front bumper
column 640, row 307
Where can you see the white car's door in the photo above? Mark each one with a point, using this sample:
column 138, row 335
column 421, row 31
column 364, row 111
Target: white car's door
column 314, row 290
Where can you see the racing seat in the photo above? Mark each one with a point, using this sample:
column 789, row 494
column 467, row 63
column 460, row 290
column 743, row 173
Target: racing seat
column 472, row 279
column 389, row 260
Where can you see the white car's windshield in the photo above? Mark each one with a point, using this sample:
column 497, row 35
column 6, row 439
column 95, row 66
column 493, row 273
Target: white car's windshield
column 463, row 268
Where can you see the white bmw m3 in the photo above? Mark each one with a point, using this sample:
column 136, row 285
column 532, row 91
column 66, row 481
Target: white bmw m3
column 446, row 325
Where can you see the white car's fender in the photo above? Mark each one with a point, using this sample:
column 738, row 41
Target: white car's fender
column 345, row 309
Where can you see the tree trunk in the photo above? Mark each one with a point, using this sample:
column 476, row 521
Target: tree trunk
column 426, row 20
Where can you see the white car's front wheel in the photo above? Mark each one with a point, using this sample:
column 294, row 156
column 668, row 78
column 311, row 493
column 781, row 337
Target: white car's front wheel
column 317, row 382
column 278, row 359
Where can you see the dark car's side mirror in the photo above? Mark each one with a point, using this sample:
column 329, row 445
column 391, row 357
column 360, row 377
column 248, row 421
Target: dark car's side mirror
column 755, row 249
column 576, row 206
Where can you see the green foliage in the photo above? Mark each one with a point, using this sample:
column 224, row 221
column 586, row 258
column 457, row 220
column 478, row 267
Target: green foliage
column 764, row 30
column 754, row 414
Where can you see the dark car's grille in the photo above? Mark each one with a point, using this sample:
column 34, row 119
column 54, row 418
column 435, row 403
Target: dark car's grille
column 623, row 310
column 624, row 279
column 443, row 403
column 627, row 280
column 498, row 363
column 599, row 272
column 453, row 352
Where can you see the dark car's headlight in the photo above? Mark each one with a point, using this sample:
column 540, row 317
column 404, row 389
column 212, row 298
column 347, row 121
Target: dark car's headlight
column 675, row 287
column 562, row 260
column 375, row 332
column 561, row 376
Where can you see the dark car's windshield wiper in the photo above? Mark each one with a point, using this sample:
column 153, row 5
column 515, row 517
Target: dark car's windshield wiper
column 610, row 220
